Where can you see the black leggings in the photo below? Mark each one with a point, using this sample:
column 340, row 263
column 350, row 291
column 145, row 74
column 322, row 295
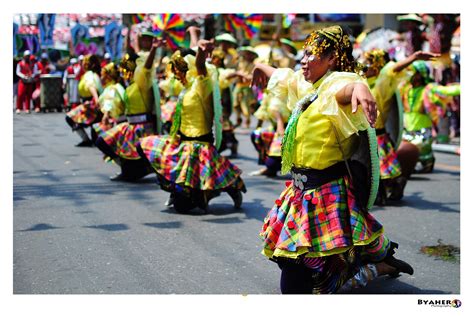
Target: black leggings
column 132, row 170
column 295, row 278
column 273, row 163
column 71, row 123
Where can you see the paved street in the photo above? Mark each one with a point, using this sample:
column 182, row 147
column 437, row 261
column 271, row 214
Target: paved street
column 76, row 232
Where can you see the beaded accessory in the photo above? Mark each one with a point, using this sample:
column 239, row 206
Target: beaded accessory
column 127, row 66
column 287, row 145
column 179, row 65
column 111, row 70
column 333, row 37
column 376, row 59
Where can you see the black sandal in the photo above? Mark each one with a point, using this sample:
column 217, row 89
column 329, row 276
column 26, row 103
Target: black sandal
column 399, row 265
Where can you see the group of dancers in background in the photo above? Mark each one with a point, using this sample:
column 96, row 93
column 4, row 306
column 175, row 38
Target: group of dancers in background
column 312, row 122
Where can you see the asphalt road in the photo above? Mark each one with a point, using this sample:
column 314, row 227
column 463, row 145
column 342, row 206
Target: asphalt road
column 76, row 232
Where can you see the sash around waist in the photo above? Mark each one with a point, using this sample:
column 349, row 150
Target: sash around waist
column 307, row 178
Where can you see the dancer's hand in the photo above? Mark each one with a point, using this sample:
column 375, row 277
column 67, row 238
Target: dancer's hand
column 425, row 56
column 158, row 42
column 361, row 95
column 259, row 77
column 207, row 46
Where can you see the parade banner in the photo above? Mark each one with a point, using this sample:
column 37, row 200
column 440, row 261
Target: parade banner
column 15, row 34
column 46, row 27
column 113, row 40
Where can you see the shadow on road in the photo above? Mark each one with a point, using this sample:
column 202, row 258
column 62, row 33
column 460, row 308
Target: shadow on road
column 416, row 200
column 164, row 225
column 79, row 194
column 40, row 227
column 110, row 227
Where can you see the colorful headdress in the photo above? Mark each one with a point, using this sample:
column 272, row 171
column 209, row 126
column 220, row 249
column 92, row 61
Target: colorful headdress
column 422, row 68
column 218, row 53
column 376, row 58
column 178, row 63
column 331, row 39
column 111, row 70
column 128, row 62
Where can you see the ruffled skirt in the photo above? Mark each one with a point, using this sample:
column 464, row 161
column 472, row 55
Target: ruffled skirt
column 267, row 143
column 123, row 138
column 389, row 165
column 85, row 114
column 318, row 222
column 190, row 164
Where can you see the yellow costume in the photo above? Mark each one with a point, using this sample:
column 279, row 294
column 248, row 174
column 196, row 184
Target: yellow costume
column 89, row 80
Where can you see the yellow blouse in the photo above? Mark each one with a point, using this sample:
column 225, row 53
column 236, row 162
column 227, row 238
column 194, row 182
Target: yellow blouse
column 171, row 86
column 316, row 145
column 112, row 100
column 197, row 112
column 139, row 94
column 384, row 88
column 89, row 80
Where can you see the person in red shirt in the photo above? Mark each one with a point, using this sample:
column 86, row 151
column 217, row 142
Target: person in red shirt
column 106, row 60
column 25, row 70
column 74, row 69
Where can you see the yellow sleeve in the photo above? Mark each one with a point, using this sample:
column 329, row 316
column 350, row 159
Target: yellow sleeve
column 387, row 83
column 223, row 81
column 89, row 81
column 346, row 122
column 143, row 76
column 298, row 87
column 278, row 91
column 111, row 101
column 262, row 111
column 165, row 85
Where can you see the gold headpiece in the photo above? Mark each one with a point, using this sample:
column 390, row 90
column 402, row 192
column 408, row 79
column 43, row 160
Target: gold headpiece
column 333, row 37
column 218, row 53
column 128, row 63
column 376, row 58
column 178, row 63
column 111, row 70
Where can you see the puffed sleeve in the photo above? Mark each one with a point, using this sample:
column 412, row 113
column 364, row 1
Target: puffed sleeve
column 387, row 83
column 346, row 122
column 223, row 81
column 278, row 91
column 142, row 75
column 111, row 101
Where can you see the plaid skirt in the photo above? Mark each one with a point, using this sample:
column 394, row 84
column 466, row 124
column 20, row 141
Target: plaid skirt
column 389, row 165
column 85, row 114
column 167, row 111
column 324, row 230
column 267, row 143
column 123, row 138
column 190, row 164
column 317, row 222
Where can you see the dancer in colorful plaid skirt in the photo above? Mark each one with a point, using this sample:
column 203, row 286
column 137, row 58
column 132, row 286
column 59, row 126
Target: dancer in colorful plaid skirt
column 186, row 162
column 384, row 77
column 90, row 87
column 424, row 102
column 119, row 142
column 319, row 232
column 111, row 101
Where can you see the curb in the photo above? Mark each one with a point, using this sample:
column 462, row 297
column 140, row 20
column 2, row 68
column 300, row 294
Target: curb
column 447, row 148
